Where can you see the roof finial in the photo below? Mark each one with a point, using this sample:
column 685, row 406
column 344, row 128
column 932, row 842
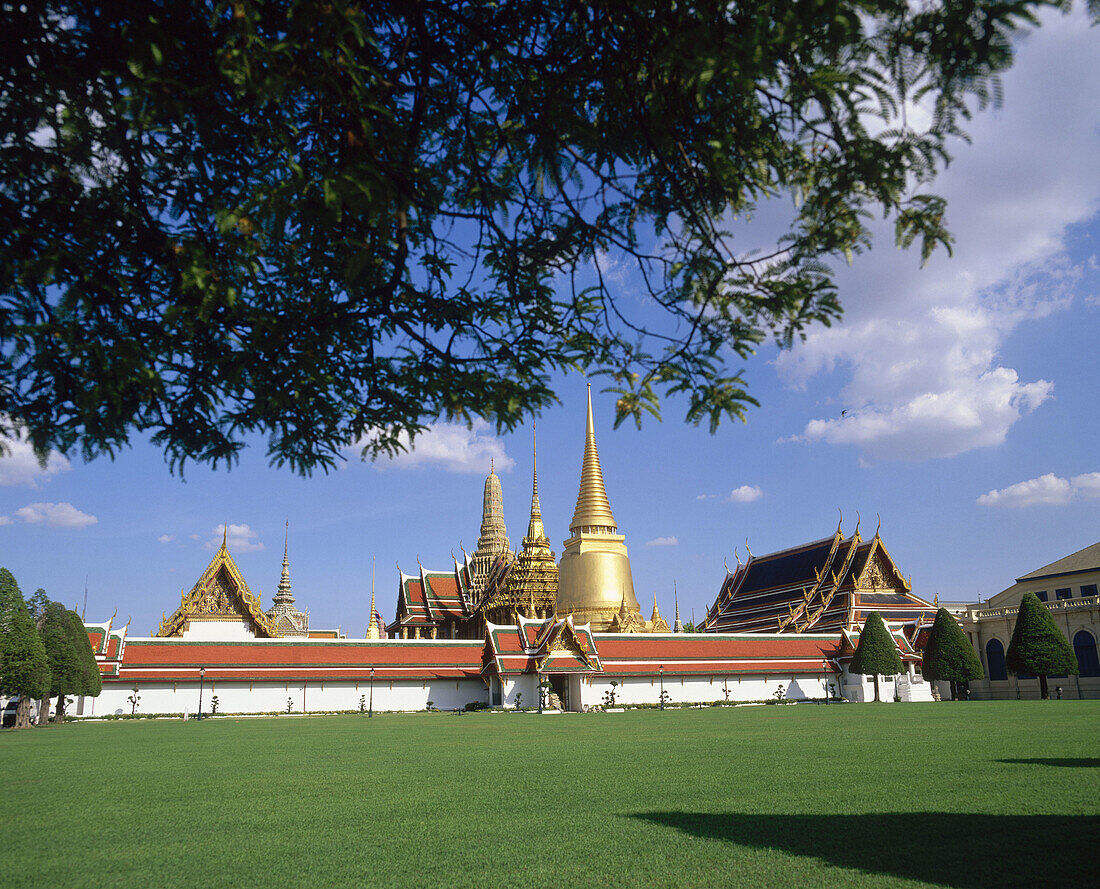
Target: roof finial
column 492, row 465
column 225, row 532
column 749, row 551
column 737, row 556
column 841, row 522
column 284, row 596
column 854, row 533
column 879, row 528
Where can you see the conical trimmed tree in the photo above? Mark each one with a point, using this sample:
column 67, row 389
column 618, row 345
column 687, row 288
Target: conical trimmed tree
column 91, row 683
column 65, row 667
column 948, row 654
column 1038, row 647
column 24, row 669
column 876, row 653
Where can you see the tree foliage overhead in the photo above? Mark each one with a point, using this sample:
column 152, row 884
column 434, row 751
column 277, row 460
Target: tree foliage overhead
column 1038, row 646
column 333, row 222
column 948, row 654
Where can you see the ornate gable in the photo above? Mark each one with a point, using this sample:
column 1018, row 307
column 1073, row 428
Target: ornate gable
column 880, row 572
column 220, row 594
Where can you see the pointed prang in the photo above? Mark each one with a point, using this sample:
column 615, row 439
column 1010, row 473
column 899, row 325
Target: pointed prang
column 677, row 625
column 656, row 616
column 225, row 533
column 284, row 596
column 593, row 508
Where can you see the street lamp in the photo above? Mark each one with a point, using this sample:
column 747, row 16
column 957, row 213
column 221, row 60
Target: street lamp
column 370, row 709
column 202, row 672
column 661, row 670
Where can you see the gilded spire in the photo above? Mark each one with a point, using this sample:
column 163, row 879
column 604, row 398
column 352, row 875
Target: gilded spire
column 284, row 596
column 677, row 624
column 535, row 530
column 656, row 616
column 373, row 630
column 593, row 509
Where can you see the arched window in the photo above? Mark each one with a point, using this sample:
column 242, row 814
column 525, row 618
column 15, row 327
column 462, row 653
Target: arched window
column 1084, row 646
column 995, row 659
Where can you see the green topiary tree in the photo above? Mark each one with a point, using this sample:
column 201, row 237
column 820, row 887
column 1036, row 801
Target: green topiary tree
column 24, row 669
column 91, row 683
column 1038, row 646
column 948, row 654
column 876, row 653
column 66, row 671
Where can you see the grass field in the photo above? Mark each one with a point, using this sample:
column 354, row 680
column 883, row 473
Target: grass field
column 981, row 794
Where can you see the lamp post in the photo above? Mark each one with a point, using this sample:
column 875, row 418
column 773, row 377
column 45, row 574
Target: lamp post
column 661, row 670
column 202, row 672
column 370, row 709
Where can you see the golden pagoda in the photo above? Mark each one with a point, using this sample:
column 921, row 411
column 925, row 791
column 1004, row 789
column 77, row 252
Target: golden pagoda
column 492, row 544
column 594, row 582
column 528, row 585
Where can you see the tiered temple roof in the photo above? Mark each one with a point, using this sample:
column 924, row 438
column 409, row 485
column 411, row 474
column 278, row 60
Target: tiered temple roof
column 828, row 585
column 433, row 604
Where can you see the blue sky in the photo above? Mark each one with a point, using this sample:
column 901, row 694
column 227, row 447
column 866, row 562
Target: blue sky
column 969, row 391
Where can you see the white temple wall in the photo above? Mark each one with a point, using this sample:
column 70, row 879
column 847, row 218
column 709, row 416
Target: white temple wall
column 701, row 689
column 271, row 697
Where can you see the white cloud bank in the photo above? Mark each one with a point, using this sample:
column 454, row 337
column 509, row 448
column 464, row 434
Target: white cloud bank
column 239, row 538
column 663, row 541
column 18, row 464
column 919, row 348
column 454, row 448
column 166, row 538
column 55, row 515
column 745, row 494
column 1049, row 490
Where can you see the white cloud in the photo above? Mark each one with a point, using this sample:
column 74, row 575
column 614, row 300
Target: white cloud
column 454, row 448
column 239, row 538
column 5, row 520
column 938, row 423
column 166, row 538
column 1049, row 489
column 663, row 541
column 918, row 353
column 745, row 494
column 18, row 464
column 55, row 515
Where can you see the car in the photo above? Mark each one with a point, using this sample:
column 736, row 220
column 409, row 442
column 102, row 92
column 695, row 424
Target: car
column 9, row 712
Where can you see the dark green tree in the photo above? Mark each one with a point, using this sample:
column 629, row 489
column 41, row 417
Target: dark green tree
column 948, row 654
column 65, row 668
column 1037, row 646
column 24, row 669
column 91, row 682
column 333, row 223
column 876, row 653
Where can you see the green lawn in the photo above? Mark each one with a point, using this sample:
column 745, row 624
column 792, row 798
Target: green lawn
column 981, row 794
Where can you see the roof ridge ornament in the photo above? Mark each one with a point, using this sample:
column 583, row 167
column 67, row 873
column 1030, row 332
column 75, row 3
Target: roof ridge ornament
column 749, row 551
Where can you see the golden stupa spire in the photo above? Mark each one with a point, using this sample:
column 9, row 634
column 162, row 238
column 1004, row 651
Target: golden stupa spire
column 593, row 509
column 535, row 530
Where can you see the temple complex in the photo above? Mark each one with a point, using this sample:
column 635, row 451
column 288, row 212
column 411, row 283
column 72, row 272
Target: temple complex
column 504, row 628
column 825, row 586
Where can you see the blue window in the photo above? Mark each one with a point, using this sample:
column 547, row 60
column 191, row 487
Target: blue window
column 1042, row 594
column 1084, row 646
column 1088, row 589
column 1065, row 593
column 995, row 659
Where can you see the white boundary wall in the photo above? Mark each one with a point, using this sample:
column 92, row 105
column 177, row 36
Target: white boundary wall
column 305, row 697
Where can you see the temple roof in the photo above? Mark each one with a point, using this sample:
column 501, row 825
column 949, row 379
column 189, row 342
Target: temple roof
column 822, row 586
column 221, row 592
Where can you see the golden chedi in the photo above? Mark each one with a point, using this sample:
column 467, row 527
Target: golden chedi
column 594, row 580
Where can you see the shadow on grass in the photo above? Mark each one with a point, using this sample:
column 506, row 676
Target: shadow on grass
column 959, row 850
column 1084, row 762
